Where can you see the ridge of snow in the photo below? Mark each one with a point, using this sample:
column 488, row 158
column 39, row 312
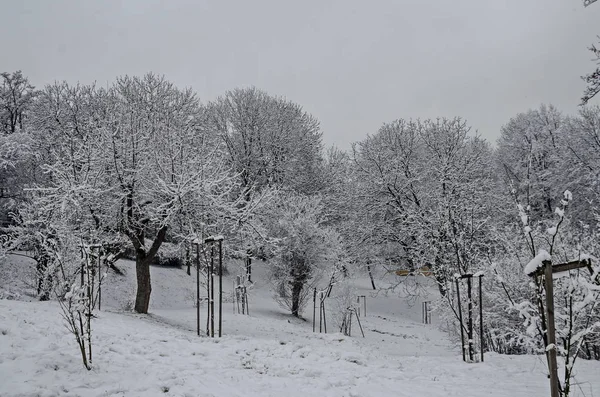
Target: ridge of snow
column 537, row 262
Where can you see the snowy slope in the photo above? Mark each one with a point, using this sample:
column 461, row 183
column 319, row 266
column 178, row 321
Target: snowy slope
column 265, row 354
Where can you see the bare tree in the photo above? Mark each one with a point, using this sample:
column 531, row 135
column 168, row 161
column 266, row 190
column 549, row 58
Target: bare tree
column 593, row 79
column 16, row 96
column 269, row 141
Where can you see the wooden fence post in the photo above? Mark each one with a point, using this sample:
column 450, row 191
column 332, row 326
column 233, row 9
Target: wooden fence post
column 460, row 318
column 551, row 348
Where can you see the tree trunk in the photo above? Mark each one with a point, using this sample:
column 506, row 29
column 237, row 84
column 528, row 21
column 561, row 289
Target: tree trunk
column 144, row 288
column 44, row 279
column 371, row 277
column 296, row 290
column 143, row 259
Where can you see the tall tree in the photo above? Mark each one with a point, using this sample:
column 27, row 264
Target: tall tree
column 425, row 195
column 270, row 141
column 529, row 153
column 16, row 96
column 592, row 79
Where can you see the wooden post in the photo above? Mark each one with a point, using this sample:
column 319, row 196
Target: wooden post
column 99, row 281
column 212, row 290
column 249, row 267
column 187, row 259
column 550, row 329
column 365, row 304
column 547, row 270
column 314, row 307
column 89, row 267
column 481, row 317
column 198, row 288
column 243, row 296
column 349, row 323
column 208, row 282
column 425, row 309
column 462, row 332
column 470, row 319
column 220, row 287
column 324, row 319
column 320, row 312
column 360, row 326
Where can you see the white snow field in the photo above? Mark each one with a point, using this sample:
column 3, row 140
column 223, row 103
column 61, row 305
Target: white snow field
column 267, row 353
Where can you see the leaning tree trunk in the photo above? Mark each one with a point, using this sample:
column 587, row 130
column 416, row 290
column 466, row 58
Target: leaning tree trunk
column 371, row 277
column 297, row 286
column 144, row 288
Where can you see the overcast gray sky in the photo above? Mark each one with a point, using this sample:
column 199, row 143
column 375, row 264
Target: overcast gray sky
column 353, row 64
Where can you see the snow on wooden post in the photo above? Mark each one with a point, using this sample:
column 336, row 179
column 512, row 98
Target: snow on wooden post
column 539, row 266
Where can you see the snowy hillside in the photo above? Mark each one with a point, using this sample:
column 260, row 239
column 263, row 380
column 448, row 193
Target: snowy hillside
column 267, row 353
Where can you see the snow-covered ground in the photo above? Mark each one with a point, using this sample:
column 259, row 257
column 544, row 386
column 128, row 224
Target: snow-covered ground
column 265, row 354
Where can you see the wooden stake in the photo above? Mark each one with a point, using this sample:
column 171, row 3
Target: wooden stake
column 365, row 304
column 462, row 332
column 212, row 290
column 99, row 281
column 360, row 326
column 198, row 288
column 314, row 307
column 470, row 319
column 551, row 348
column 247, row 301
column 220, row 287
column 480, row 317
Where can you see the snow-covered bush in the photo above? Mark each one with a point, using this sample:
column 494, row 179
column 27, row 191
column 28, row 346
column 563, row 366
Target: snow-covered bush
column 516, row 312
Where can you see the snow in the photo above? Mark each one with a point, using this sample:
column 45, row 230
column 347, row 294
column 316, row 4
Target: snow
column 560, row 212
column 537, row 262
column 524, row 219
column 527, row 229
column 585, row 257
column 267, row 353
column 551, row 230
column 568, row 195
